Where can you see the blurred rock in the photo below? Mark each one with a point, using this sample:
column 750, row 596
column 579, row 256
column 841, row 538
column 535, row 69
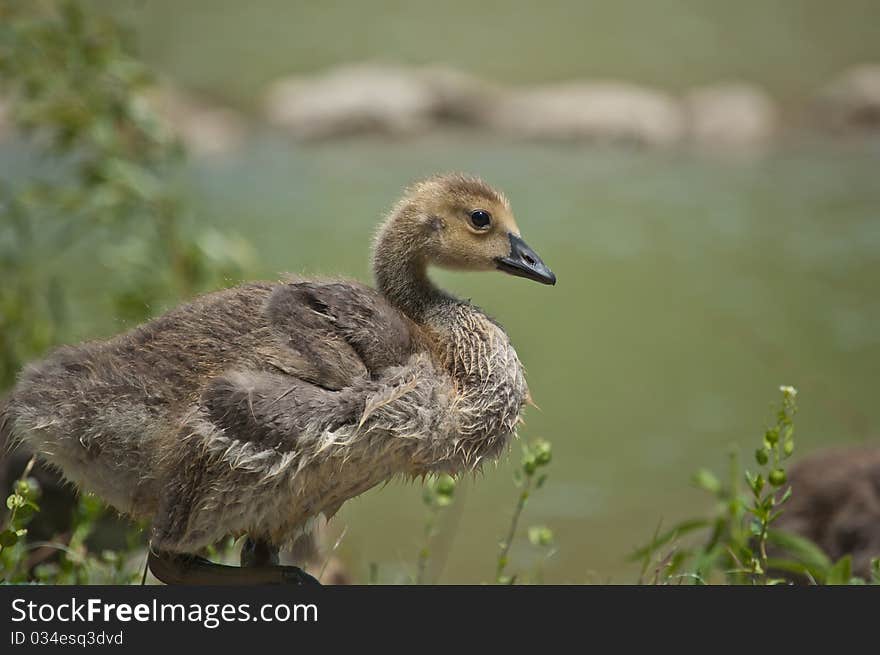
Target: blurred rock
column 732, row 116
column 590, row 111
column 851, row 102
column 836, row 503
column 206, row 129
column 356, row 99
column 460, row 98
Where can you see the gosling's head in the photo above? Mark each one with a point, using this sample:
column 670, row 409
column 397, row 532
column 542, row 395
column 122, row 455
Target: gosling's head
column 459, row 222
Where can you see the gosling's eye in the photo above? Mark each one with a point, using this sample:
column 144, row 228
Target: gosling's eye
column 480, row 219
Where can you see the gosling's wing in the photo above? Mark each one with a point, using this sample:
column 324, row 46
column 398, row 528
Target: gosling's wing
column 250, row 433
column 332, row 341
column 337, row 332
column 329, row 342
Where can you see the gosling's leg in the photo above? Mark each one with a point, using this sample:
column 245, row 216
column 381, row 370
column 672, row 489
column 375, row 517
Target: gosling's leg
column 183, row 569
column 258, row 552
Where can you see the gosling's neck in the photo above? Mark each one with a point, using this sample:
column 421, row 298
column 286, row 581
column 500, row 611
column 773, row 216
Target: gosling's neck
column 402, row 276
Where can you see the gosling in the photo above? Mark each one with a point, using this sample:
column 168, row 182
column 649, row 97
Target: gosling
column 254, row 410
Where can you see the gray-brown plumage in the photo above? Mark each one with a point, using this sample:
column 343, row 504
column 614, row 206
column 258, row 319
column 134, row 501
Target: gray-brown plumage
column 255, row 409
column 836, row 504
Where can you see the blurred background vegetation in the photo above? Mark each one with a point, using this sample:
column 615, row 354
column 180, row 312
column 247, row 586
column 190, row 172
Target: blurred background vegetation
column 691, row 283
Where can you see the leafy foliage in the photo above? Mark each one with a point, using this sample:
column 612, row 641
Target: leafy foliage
column 104, row 173
column 739, row 536
column 529, row 477
column 22, row 560
column 76, row 95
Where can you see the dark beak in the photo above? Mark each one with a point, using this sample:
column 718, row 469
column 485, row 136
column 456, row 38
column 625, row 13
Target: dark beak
column 524, row 262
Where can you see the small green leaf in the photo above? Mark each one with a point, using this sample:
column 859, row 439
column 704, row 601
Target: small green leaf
column 24, row 513
column 793, row 566
column 785, row 496
column 8, row 538
column 755, row 482
column 841, row 572
column 707, row 480
column 661, row 540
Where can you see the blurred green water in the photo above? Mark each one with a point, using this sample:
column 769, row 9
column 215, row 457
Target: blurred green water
column 689, row 289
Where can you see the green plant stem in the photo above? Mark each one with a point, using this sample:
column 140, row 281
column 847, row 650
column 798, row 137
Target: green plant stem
column 425, row 552
column 24, row 475
column 449, row 532
column 511, row 533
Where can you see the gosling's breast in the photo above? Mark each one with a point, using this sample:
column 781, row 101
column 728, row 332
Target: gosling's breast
column 486, row 371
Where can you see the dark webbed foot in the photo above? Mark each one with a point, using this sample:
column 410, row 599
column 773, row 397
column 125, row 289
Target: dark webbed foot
column 257, row 568
column 257, row 552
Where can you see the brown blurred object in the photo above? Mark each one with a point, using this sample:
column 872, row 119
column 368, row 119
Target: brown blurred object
column 374, row 98
column 731, row 117
column 851, row 102
column 460, row 98
column 604, row 112
column 835, row 502
column 356, row 99
column 205, row 128
column 400, row 101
